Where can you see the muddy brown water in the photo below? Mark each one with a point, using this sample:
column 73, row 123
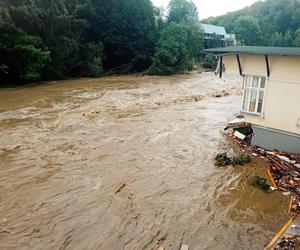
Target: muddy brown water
column 128, row 163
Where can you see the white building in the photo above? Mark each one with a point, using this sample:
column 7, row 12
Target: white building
column 216, row 36
column 271, row 92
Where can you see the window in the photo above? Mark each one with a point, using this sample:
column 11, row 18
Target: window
column 254, row 88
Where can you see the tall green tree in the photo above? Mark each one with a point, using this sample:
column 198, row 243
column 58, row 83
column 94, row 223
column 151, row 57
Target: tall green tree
column 281, row 40
column 248, row 31
column 182, row 11
column 273, row 16
column 56, row 39
column 21, row 56
column 297, row 38
column 127, row 28
column 177, row 48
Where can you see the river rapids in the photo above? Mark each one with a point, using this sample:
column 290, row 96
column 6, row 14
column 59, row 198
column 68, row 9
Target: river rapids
column 127, row 162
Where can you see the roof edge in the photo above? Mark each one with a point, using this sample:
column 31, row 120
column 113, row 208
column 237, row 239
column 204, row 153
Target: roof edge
column 253, row 50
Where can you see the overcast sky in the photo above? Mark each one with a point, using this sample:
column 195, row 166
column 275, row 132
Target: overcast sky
column 209, row 8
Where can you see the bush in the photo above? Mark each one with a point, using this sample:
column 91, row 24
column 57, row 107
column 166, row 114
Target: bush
column 95, row 67
column 209, row 62
column 223, row 159
column 262, row 183
column 177, row 48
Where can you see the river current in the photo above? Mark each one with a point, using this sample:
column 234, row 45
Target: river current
column 127, row 162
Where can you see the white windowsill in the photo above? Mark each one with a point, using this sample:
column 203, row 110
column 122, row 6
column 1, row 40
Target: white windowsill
column 252, row 113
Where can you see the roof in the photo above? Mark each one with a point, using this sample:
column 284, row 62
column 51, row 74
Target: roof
column 211, row 29
column 254, row 50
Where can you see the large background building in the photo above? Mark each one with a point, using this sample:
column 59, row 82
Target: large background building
column 216, row 36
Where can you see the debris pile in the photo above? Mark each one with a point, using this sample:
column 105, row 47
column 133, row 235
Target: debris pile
column 284, row 175
column 294, row 204
column 284, row 167
column 287, row 237
column 287, row 243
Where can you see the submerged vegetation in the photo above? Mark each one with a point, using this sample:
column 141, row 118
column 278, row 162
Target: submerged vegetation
column 223, row 159
column 262, row 183
column 56, row 39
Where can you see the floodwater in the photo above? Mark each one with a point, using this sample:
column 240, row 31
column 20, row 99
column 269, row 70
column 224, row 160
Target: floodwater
column 128, row 163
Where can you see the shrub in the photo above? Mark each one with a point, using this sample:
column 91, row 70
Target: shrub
column 223, row 159
column 209, row 62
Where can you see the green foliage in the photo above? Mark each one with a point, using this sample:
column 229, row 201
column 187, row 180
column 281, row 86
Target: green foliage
column 177, row 48
column 55, row 39
column 281, row 40
column 262, row 183
column 95, row 67
column 126, row 28
column 76, row 37
column 248, row 31
column 222, row 159
column 209, row 62
column 272, row 16
column 297, row 38
column 181, row 11
column 180, row 40
column 21, row 56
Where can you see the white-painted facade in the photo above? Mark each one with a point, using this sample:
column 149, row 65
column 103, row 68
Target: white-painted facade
column 281, row 93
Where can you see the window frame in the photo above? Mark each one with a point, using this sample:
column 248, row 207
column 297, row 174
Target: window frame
column 258, row 89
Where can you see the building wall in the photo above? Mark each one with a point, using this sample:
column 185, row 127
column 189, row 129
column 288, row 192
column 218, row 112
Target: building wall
column 281, row 108
column 272, row 139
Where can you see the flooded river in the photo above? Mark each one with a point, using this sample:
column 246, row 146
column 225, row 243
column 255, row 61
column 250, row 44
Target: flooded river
column 128, row 163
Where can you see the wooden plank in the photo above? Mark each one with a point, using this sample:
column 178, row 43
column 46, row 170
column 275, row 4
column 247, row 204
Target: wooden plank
column 280, row 233
column 272, row 179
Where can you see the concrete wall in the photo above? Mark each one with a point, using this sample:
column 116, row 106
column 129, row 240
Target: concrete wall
column 281, row 108
column 272, row 139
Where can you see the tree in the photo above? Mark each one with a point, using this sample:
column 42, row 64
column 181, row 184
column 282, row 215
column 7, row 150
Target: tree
column 56, row 39
column 281, row 40
column 59, row 29
column 21, row 56
column 297, row 38
column 273, row 16
column 182, row 11
column 126, row 28
column 177, row 48
column 248, row 31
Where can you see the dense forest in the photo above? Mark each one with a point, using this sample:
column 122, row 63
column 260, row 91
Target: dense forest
column 269, row 23
column 56, row 39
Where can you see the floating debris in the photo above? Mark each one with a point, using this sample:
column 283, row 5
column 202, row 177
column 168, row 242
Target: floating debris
column 287, row 242
column 120, row 188
column 288, row 236
column 284, row 174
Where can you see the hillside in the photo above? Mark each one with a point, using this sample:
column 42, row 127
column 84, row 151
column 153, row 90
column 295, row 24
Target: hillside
column 270, row 22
